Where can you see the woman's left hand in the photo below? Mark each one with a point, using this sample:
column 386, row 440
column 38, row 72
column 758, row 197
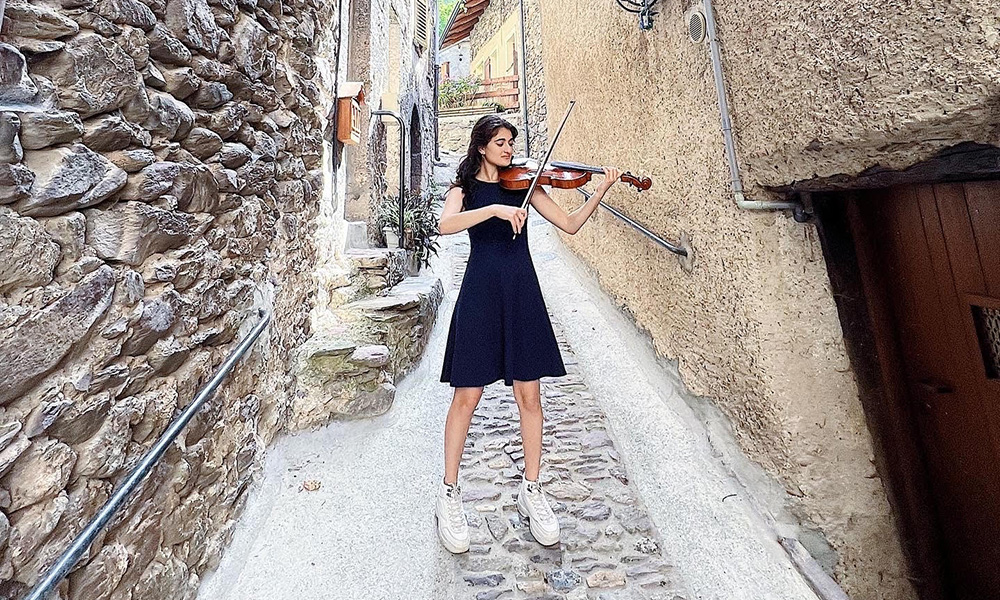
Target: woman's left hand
column 611, row 177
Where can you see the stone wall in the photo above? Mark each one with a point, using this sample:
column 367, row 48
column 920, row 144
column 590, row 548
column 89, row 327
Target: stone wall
column 454, row 132
column 160, row 180
column 534, row 75
column 351, row 372
column 816, row 89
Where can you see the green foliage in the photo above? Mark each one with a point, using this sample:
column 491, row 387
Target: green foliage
column 459, row 91
column 445, row 8
column 496, row 106
column 420, row 222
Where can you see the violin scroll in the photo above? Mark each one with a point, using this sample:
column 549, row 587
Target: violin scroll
column 641, row 183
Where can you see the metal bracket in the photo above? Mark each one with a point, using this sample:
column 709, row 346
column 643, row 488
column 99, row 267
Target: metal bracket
column 644, row 9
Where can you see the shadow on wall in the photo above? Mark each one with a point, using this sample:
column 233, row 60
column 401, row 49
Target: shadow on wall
column 924, row 151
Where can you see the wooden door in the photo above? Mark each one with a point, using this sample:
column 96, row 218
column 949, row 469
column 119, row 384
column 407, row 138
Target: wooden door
column 934, row 252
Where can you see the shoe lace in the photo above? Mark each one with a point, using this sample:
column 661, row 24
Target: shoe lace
column 537, row 500
column 456, row 514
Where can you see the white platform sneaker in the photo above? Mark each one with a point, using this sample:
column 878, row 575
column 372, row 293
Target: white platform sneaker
column 533, row 506
column 453, row 528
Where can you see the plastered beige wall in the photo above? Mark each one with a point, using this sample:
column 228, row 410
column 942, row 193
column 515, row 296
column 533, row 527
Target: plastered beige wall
column 817, row 89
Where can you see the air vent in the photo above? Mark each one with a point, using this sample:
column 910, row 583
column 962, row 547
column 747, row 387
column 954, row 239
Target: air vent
column 696, row 26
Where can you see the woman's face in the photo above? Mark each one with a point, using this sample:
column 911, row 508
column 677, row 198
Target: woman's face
column 500, row 150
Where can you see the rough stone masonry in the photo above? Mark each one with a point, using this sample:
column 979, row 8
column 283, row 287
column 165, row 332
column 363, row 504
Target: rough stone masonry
column 160, row 179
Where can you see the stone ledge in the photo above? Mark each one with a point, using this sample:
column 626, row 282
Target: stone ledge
column 340, row 378
column 372, row 271
column 401, row 319
column 352, row 374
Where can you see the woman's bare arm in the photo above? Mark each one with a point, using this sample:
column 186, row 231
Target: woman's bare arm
column 572, row 222
column 454, row 219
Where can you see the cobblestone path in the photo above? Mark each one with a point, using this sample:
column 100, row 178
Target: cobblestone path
column 609, row 548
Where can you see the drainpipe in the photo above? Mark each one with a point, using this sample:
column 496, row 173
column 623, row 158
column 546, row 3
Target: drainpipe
column 437, row 116
column 524, row 85
column 437, row 79
column 402, row 164
column 335, row 164
column 727, row 132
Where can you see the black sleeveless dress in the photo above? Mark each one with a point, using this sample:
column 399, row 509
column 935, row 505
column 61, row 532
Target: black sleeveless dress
column 500, row 328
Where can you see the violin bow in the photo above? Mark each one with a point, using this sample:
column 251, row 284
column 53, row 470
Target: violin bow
column 555, row 138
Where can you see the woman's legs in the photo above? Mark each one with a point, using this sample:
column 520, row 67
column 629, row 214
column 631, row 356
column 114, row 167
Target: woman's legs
column 453, row 526
column 456, row 428
column 531, row 501
column 529, row 406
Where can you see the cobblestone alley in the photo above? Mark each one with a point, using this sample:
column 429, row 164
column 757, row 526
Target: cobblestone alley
column 646, row 511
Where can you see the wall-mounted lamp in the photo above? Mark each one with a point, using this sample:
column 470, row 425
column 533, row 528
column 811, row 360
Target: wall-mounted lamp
column 643, row 8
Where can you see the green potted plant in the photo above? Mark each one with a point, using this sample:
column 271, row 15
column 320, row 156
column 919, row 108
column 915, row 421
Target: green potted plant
column 420, row 224
column 459, row 91
column 387, row 220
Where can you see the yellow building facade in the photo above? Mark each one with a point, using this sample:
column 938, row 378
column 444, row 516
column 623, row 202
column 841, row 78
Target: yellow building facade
column 498, row 57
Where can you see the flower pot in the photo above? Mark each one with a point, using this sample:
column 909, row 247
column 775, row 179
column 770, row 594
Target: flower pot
column 391, row 237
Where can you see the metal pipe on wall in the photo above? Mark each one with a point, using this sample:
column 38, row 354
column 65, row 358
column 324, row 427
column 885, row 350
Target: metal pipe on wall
column 335, row 113
column 675, row 248
column 437, row 116
column 727, row 130
column 524, row 84
column 47, row 584
column 402, row 164
column 437, row 83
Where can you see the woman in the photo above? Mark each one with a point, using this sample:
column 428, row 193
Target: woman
column 500, row 327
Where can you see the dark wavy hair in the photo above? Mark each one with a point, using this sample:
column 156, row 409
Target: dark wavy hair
column 482, row 132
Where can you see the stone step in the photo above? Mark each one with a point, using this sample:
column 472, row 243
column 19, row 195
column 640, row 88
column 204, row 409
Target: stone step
column 400, row 318
column 372, row 271
column 351, row 372
column 467, row 110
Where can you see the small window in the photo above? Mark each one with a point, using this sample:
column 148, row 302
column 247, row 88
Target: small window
column 988, row 327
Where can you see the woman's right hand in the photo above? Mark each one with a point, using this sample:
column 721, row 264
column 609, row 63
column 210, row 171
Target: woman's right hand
column 515, row 214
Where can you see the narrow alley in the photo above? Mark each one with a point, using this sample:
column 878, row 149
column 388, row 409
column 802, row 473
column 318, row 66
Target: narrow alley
column 647, row 508
column 761, row 300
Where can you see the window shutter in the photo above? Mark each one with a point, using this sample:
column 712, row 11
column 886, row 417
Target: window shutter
column 421, row 24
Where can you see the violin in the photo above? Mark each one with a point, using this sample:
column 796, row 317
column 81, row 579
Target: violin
column 562, row 175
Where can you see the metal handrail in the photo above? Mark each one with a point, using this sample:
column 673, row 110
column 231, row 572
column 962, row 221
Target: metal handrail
column 72, row 554
column 668, row 245
column 402, row 167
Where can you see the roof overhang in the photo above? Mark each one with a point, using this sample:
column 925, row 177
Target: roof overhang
column 462, row 21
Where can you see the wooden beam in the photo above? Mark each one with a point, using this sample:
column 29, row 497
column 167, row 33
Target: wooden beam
column 464, row 23
column 472, row 15
column 464, row 29
column 963, row 162
column 458, row 35
column 496, row 93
